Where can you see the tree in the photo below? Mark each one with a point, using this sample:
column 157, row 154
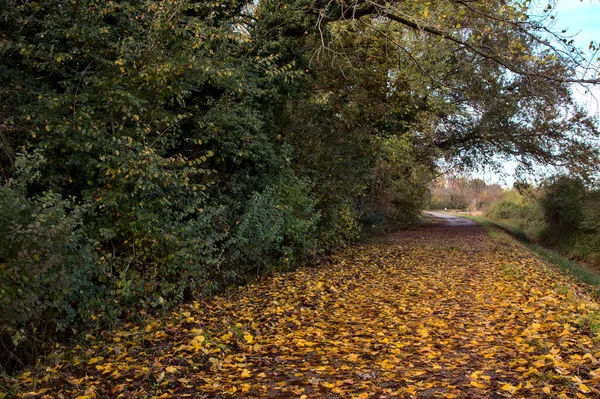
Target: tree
column 503, row 76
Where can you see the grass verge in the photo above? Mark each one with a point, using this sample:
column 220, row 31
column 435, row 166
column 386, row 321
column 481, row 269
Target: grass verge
column 566, row 265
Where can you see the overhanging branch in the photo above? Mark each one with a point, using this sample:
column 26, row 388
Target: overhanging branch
column 360, row 9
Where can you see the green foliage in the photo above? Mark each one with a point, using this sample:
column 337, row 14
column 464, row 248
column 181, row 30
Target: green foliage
column 48, row 266
column 400, row 180
column 278, row 225
column 562, row 202
column 525, row 215
column 152, row 125
column 505, row 210
column 47, row 262
column 586, row 243
column 339, row 224
column 561, row 212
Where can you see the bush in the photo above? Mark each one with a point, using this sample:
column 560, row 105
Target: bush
column 587, row 240
column 141, row 145
column 562, row 212
column 47, row 269
column 156, row 160
column 505, row 210
column 523, row 213
column 562, row 202
column 277, row 228
column 339, row 224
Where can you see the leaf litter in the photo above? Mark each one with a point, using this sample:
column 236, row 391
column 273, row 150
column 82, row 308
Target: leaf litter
column 433, row 312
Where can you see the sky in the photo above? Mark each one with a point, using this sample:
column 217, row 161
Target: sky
column 582, row 19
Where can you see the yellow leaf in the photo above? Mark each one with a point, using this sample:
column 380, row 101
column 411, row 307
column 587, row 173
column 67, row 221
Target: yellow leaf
column 160, row 334
column 226, row 338
column 245, row 374
column 328, row 385
column 171, row 369
column 197, row 341
column 477, row 385
column 584, row 388
column 547, row 390
column 386, row 365
column 249, row 338
column 510, row 388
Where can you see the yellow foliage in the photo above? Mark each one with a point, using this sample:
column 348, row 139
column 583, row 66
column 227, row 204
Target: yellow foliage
column 426, row 312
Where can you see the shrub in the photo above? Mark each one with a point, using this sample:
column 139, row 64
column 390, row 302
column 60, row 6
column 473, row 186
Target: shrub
column 47, row 269
column 278, row 226
column 562, row 203
column 505, row 210
column 523, row 213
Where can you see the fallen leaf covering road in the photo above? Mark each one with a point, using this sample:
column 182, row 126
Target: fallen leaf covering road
column 433, row 312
